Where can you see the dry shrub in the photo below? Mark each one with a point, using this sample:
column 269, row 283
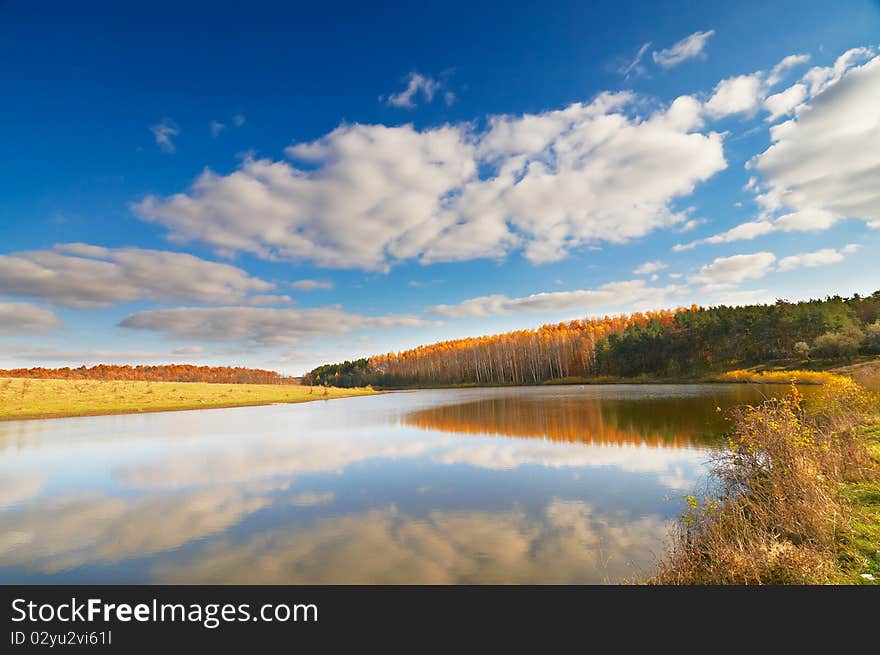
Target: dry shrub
column 776, row 514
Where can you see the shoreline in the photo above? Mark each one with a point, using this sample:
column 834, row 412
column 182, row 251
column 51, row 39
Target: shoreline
column 30, row 399
column 160, row 410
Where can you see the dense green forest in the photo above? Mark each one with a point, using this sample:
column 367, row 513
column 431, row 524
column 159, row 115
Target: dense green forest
column 684, row 343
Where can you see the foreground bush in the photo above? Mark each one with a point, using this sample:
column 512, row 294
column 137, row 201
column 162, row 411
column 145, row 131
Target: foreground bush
column 776, row 515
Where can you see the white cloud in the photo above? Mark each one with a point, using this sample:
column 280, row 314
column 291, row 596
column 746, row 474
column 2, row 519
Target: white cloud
column 736, row 95
column 25, row 318
column 217, row 127
column 416, row 84
column 688, row 48
column 82, row 275
column 611, row 295
column 820, row 78
column 370, row 195
column 261, row 326
column 778, row 71
column 634, row 66
column 745, row 94
column 821, row 257
column 649, row 267
column 730, row 271
column 238, row 120
column 163, row 132
column 741, row 232
column 824, row 164
column 311, row 285
column 784, row 102
column 565, row 179
column 805, row 221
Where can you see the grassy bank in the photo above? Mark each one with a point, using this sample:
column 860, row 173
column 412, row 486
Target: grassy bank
column 796, row 496
column 775, row 377
column 26, row 398
column 860, row 547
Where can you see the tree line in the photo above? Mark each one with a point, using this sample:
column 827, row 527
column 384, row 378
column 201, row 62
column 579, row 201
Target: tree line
column 161, row 373
column 678, row 343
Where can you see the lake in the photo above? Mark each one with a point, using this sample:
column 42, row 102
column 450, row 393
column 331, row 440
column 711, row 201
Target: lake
column 573, row 484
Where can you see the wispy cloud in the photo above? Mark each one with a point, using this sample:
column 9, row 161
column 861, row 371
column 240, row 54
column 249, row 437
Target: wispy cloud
column 611, row 295
column 649, row 267
column 416, row 85
column 311, row 285
column 164, row 133
column 688, row 48
column 260, row 326
column 634, row 65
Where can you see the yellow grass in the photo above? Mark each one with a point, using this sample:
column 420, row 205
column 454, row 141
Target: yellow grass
column 777, row 377
column 23, row 398
column 866, row 374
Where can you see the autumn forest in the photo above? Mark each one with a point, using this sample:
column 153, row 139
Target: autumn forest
column 684, row 343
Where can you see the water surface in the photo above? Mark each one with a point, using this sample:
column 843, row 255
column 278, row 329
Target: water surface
column 511, row 485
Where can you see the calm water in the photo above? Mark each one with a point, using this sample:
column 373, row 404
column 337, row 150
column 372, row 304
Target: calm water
column 545, row 485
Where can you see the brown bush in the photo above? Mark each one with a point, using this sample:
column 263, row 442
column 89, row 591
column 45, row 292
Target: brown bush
column 775, row 516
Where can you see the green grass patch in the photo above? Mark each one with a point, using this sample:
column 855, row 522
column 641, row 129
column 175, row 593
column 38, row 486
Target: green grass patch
column 860, row 547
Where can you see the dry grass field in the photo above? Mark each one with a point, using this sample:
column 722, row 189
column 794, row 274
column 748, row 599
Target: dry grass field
column 22, row 398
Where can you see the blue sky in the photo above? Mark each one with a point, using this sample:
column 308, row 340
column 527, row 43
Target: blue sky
column 283, row 185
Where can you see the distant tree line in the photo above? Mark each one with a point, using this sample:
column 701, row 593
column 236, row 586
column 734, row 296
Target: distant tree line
column 163, row 373
column 670, row 343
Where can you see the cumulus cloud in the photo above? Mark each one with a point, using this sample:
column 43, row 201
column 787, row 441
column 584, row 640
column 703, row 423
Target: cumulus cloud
column 783, row 103
column 83, row 275
column 820, row 78
column 821, row 257
column 824, row 164
column 25, row 318
column 746, row 94
column 311, row 285
column 730, row 271
column 260, row 326
column 612, row 294
column 416, row 85
column 736, row 95
column 689, row 47
column 649, row 267
column 164, row 133
column 741, row 232
column 368, row 196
